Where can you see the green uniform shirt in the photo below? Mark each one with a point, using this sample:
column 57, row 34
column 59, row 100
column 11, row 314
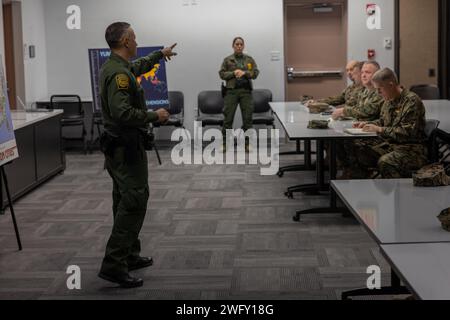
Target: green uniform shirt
column 235, row 62
column 123, row 99
column 348, row 97
column 367, row 108
column 403, row 119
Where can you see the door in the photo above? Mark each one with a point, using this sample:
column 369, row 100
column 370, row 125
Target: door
column 9, row 55
column 14, row 58
column 316, row 48
column 418, row 34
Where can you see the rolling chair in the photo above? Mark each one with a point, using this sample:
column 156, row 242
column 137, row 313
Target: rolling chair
column 262, row 114
column 426, row 91
column 431, row 126
column 73, row 115
column 441, row 148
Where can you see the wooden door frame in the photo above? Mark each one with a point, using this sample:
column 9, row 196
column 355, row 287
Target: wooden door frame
column 397, row 36
column 444, row 51
column 10, row 74
column 288, row 3
column 443, row 48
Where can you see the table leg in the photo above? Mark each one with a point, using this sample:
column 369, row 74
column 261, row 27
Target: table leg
column 308, row 154
column 297, row 168
column 298, row 150
column 333, row 197
column 319, row 186
column 395, row 289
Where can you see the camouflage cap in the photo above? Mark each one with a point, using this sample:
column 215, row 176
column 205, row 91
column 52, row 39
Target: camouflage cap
column 444, row 218
column 317, row 108
column 318, row 124
column 306, row 98
column 431, row 176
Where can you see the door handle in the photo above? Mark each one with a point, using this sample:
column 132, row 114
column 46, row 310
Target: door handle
column 292, row 74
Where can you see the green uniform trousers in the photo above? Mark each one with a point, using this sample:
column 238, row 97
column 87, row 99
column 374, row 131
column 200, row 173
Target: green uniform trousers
column 130, row 197
column 243, row 98
column 391, row 160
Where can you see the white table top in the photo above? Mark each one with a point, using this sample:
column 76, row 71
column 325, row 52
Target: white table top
column 295, row 117
column 31, row 118
column 394, row 211
column 423, row 267
column 439, row 110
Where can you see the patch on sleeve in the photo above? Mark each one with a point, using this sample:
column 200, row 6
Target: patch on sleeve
column 123, row 82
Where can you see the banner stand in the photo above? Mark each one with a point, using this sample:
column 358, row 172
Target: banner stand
column 4, row 181
column 8, row 145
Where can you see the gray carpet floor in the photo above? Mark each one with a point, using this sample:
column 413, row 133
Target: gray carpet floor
column 215, row 232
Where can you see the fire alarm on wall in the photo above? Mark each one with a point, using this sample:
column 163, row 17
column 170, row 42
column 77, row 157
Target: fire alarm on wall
column 371, row 54
column 371, row 9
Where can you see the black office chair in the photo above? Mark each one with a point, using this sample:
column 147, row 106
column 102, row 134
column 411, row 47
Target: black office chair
column 262, row 114
column 176, row 110
column 73, row 115
column 210, row 108
column 441, row 148
column 426, row 91
column 97, row 122
column 430, row 128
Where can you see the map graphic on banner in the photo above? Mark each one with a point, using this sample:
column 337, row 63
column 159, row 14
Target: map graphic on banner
column 8, row 146
column 154, row 82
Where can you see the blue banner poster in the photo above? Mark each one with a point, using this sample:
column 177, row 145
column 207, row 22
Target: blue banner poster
column 154, row 82
column 8, row 146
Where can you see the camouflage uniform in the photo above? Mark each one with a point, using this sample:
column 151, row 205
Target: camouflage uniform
column 239, row 91
column 348, row 97
column 367, row 108
column 400, row 149
column 433, row 175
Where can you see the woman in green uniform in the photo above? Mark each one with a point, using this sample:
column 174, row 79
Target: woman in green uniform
column 238, row 70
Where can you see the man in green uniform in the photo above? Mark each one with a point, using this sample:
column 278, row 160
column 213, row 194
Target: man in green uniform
column 349, row 96
column 369, row 102
column 238, row 70
column 126, row 120
column 400, row 146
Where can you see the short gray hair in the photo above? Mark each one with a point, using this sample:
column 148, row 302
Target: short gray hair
column 373, row 63
column 385, row 75
column 115, row 32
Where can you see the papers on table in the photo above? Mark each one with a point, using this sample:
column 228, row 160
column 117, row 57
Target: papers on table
column 357, row 132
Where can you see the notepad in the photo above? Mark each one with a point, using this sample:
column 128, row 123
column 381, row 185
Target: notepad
column 358, row 132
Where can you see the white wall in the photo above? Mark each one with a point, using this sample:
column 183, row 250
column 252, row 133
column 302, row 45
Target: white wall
column 360, row 38
column 203, row 32
column 33, row 24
